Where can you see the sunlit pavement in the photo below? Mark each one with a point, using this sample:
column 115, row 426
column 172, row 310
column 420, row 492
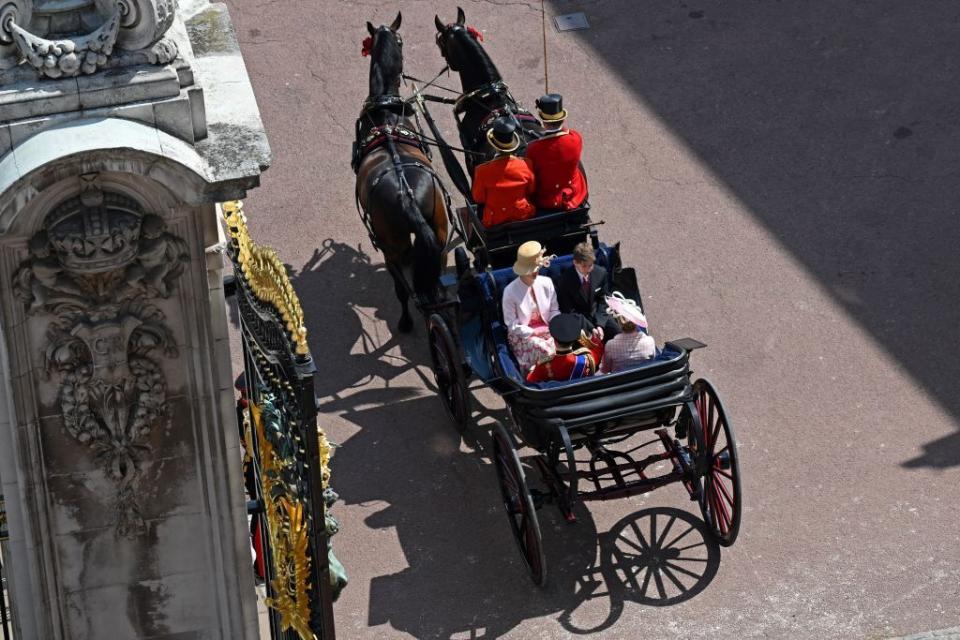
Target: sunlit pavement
column 784, row 179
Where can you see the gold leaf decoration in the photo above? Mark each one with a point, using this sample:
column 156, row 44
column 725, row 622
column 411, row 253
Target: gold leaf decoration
column 265, row 274
column 289, row 537
column 326, row 452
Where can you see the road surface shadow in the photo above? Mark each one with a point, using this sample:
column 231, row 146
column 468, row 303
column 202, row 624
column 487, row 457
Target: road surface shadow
column 837, row 125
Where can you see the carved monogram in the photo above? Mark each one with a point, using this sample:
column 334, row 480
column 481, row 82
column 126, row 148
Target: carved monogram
column 94, row 268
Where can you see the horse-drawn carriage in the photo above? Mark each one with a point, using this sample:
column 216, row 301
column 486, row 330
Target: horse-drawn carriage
column 588, row 435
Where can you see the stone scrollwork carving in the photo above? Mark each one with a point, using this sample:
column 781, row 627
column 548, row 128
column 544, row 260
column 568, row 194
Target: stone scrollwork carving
column 142, row 22
column 68, row 58
column 95, row 269
column 12, row 12
column 132, row 25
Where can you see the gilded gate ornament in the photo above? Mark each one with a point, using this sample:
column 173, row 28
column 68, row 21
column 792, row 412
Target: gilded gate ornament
column 286, row 524
column 93, row 270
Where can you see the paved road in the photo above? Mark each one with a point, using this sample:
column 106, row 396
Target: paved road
column 784, row 176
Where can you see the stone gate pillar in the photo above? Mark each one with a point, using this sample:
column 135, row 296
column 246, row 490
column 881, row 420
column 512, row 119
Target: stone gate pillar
column 122, row 123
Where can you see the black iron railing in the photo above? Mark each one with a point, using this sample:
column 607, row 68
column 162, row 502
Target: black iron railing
column 289, row 453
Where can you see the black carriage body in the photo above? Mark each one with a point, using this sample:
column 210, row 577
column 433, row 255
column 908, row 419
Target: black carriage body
column 559, row 418
column 595, row 414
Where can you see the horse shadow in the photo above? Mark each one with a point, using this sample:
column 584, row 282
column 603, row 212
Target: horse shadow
column 342, row 292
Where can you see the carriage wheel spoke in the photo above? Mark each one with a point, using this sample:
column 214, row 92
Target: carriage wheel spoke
column 723, row 491
column 723, row 516
column 712, row 425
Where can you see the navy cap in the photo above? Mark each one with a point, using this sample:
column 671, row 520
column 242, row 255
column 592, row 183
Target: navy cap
column 565, row 328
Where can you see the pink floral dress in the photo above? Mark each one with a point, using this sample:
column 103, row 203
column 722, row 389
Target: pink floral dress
column 531, row 349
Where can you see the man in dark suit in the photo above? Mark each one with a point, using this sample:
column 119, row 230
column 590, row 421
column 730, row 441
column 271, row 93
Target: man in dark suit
column 583, row 288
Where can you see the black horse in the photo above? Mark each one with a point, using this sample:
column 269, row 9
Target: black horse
column 485, row 97
column 398, row 191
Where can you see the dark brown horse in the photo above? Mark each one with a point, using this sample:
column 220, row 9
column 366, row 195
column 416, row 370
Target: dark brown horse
column 485, row 96
column 402, row 201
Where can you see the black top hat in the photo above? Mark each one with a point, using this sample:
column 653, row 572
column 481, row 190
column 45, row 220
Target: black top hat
column 565, row 328
column 503, row 135
column 551, row 108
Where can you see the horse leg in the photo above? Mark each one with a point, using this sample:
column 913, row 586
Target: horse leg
column 406, row 322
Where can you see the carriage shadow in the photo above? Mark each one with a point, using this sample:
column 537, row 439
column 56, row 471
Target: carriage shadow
column 437, row 489
column 464, row 576
column 655, row 557
column 837, row 129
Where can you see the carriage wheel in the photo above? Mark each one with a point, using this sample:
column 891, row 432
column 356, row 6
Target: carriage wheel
column 519, row 505
column 720, row 500
column 448, row 372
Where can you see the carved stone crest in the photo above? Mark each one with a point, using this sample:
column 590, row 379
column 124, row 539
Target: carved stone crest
column 94, row 268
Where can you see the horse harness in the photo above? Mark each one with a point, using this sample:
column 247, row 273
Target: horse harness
column 510, row 109
column 379, row 134
column 389, row 136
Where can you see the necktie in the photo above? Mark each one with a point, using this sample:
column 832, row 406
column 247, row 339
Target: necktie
column 585, row 287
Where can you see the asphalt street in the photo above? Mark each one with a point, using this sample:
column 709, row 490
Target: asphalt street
column 784, row 177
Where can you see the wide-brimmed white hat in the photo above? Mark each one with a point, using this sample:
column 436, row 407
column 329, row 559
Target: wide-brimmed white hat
column 626, row 309
column 530, row 258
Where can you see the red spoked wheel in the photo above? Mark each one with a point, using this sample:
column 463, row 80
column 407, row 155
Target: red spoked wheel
column 448, row 372
column 720, row 500
column 518, row 504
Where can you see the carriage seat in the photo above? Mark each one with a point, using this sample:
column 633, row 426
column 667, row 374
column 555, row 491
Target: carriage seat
column 503, row 277
column 492, row 284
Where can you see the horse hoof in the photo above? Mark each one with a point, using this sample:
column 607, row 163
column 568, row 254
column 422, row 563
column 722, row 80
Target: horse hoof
column 405, row 325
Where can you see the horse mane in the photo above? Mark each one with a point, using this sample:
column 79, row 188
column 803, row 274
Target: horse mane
column 478, row 54
column 386, row 67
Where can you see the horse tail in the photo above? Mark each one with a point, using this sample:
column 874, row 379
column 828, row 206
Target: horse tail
column 427, row 251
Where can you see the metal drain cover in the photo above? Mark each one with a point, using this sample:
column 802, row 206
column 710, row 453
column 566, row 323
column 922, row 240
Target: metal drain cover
column 572, row 22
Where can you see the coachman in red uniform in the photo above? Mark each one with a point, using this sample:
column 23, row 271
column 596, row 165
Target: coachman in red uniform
column 561, row 185
column 505, row 185
column 571, row 361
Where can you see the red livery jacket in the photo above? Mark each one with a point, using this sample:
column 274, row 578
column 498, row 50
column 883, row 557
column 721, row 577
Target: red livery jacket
column 504, row 187
column 556, row 165
column 571, row 365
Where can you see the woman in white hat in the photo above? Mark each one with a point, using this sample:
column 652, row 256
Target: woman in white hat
column 529, row 304
column 633, row 345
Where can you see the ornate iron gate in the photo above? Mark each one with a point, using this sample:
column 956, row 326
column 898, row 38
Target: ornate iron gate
column 289, row 452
